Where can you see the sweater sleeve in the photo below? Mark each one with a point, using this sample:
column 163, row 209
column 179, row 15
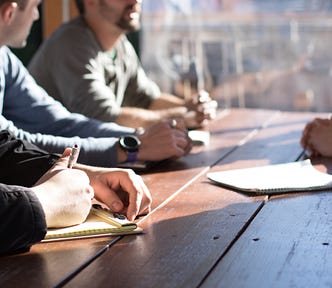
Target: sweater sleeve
column 21, row 162
column 93, row 151
column 22, row 219
column 31, row 114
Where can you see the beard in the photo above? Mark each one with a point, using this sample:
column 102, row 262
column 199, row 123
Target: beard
column 125, row 23
column 129, row 26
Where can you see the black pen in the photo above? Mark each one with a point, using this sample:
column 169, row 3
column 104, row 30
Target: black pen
column 303, row 155
column 73, row 156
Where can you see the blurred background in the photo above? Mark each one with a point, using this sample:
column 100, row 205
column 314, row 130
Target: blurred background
column 248, row 53
column 272, row 54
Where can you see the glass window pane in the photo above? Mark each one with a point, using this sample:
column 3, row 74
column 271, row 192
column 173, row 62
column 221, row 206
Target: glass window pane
column 246, row 53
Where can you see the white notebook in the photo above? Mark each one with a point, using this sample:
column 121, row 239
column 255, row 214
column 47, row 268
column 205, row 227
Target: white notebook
column 298, row 176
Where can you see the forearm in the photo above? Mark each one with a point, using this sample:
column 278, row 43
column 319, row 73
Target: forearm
column 94, row 151
column 166, row 101
column 60, row 122
column 137, row 117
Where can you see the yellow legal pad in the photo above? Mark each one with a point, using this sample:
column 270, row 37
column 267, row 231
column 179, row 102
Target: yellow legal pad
column 100, row 222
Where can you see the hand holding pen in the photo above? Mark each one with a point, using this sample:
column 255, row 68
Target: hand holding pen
column 65, row 194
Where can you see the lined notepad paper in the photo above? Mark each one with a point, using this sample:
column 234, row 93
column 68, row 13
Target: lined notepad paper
column 98, row 223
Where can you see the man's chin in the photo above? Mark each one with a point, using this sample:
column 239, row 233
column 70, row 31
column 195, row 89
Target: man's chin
column 18, row 45
column 129, row 26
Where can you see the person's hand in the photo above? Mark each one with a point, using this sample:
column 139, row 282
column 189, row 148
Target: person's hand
column 317, row 137
column 305, row 136
column 201, row 108
column 65, row 194
column 122, row 190
column 164, row 140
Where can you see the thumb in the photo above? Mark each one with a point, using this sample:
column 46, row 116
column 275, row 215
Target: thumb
column 59, row 165
column 63, row 160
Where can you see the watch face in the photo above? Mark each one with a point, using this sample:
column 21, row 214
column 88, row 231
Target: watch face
column 130, row 143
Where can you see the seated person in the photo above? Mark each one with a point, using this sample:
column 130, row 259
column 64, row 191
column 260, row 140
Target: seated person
column 317, row 137
column 34, row 192
column 31, row 114
column 90, row 66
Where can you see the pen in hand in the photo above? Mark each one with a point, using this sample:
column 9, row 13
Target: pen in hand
column 73, row 156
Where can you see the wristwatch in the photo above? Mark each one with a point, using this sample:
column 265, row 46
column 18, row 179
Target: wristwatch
column 130, row 144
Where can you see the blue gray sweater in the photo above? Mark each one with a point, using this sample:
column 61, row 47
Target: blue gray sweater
column 29, row 113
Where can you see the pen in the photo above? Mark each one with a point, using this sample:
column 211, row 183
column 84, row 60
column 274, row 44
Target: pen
column 73, row 156
column 303, row 155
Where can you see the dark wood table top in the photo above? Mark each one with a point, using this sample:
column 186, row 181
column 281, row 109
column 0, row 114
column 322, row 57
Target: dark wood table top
column 199, row 234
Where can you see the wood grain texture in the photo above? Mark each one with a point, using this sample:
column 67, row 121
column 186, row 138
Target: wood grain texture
column 191, row 233
column 287, row 245
column 196, row 227
column 183, row 240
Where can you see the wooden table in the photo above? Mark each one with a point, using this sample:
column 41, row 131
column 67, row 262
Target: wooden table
column 202, row 235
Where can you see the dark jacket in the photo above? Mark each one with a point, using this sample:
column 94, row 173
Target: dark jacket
column 22, row 218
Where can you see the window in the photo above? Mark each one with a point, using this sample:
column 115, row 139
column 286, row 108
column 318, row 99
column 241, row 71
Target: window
column 272, row 54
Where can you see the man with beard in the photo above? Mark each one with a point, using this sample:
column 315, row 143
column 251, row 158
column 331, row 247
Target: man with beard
column 29, row 113
column 89, row 65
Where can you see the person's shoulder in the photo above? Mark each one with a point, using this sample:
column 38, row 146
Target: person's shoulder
column 4, row 50
column 7, row 55
column 72, row 32
column 3, row 53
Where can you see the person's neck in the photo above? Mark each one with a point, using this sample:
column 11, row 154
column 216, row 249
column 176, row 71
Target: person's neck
column 106, row 35
column 2, row 38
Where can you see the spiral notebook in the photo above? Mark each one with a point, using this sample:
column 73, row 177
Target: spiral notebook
column 298, row 176
column 100, row 222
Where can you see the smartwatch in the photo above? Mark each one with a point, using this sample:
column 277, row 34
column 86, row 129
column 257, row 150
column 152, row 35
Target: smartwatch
column 130, row 144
